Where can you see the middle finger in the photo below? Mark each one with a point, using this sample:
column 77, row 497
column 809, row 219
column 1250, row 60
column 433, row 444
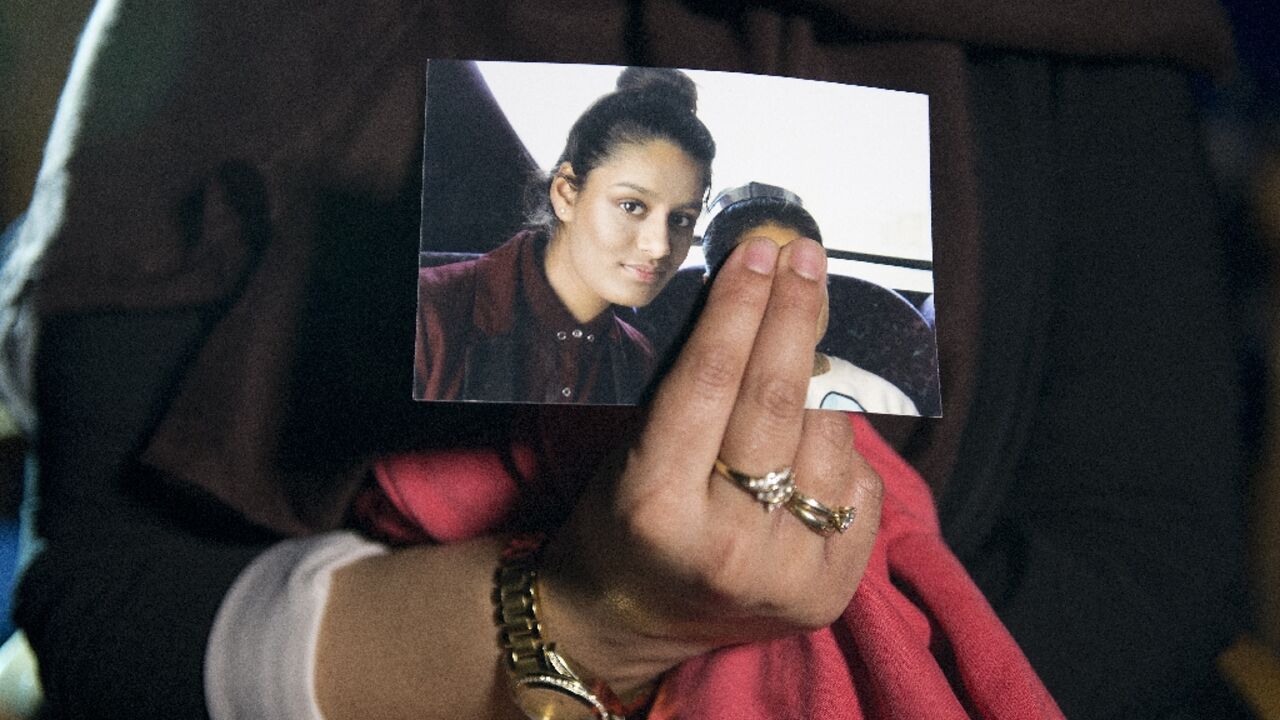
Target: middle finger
column 765, row 424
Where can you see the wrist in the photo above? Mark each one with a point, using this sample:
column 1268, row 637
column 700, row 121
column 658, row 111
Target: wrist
column 609, row 630
column 546, row 683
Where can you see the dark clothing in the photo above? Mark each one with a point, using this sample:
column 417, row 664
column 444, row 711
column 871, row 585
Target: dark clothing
column 214, row 267
column 493, row 329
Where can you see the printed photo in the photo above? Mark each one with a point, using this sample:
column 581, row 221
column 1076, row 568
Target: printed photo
column 574, row 215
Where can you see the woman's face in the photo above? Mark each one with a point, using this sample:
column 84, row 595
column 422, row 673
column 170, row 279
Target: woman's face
column 781, row 235
column 625, row 230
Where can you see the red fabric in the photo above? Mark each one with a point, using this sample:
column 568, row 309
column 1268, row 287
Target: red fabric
column 442, row 496
column 918, row 640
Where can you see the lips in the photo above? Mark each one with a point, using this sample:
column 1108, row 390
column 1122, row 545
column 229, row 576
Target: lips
column 645, row 273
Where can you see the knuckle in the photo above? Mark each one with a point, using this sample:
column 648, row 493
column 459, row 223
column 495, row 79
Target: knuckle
column 833, row 430
column 780, row 397
column 868, row 487
column 712, row 372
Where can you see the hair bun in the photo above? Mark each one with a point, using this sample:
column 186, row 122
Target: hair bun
column 667, row 83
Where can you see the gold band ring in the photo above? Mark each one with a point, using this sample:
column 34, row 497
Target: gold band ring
column 771, row 489
column 818, row 517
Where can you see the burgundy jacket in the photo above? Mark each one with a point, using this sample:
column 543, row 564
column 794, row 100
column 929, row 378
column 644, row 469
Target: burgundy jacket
column 475, row 326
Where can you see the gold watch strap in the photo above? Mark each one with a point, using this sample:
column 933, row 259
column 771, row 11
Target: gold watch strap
column 529, row 659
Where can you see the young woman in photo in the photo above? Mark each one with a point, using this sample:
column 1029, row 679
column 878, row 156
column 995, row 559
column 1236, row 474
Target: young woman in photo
column 534, row 320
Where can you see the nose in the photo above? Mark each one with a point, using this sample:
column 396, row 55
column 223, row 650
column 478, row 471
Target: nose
column 654, row 238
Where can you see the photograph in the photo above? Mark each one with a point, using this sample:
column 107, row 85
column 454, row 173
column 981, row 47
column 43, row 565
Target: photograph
column 573, row 216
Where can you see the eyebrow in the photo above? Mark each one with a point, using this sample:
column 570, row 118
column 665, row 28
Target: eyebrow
column 691, row 205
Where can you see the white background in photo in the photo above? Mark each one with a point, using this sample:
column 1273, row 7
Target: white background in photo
column 858, row 156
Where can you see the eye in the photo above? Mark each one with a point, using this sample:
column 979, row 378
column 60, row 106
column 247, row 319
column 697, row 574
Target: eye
column 632, row 207
column 683, row 221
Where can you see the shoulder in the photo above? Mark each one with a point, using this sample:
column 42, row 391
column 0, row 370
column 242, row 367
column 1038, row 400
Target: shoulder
column 494, row 267
column 483, row 289
column 446, row 292
column 439, row 279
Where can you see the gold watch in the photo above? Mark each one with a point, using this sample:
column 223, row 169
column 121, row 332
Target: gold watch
column 544, row 683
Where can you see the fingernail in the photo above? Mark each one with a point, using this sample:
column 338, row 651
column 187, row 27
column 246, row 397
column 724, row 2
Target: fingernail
column 808, row 259
column 762, row 255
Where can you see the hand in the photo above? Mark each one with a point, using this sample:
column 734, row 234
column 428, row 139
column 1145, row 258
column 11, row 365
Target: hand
column 664, row 559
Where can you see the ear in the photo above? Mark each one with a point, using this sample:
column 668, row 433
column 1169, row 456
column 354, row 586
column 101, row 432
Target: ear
column 563, row 193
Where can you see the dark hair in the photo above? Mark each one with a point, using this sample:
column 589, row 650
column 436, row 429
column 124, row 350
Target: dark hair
column 721, row 235
column 648, row 104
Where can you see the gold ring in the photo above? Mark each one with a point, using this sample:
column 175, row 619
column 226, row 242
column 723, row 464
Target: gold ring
column 771, row 489
column 818, row 517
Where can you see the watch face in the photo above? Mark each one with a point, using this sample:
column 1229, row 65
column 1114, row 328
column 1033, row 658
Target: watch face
column 551, row 698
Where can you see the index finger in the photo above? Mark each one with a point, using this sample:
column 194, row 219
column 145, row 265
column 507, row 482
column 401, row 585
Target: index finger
column 691, row 408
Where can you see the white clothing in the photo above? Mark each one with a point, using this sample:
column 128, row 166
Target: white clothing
column 260, row 660
column 845, row 386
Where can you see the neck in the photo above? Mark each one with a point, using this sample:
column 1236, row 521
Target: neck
column 578, row 299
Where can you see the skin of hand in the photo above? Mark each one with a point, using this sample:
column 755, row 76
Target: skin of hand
column 661, row 559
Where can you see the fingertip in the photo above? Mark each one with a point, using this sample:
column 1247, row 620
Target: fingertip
column 807, row 259
column 760, row 255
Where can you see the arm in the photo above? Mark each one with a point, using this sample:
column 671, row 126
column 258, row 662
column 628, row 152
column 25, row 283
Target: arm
column 406, row 630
